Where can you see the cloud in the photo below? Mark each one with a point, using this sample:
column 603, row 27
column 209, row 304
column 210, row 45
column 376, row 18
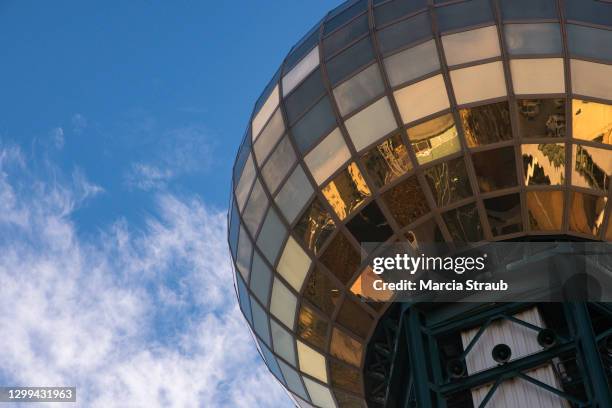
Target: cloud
column 132, row 318
column 57, row 136
column 79, row 123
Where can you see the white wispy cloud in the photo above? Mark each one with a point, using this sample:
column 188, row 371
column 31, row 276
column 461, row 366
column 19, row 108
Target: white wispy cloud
column 132, row 318
column 57, row 137
column 79, row 123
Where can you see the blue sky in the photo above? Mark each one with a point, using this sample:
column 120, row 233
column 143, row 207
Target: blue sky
column 119, row 126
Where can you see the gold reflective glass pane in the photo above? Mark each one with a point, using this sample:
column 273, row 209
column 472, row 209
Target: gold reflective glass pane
column 341, row 258
column 495, row 169
column 354, row 318
column 314, row 227
column 406, row 201
column 587, row 213
column 321, row 291
column 346, row 191
column 486, row 124
column 346, row 348
column 592, row 121
column 347, row 400
column 541, row 117
column 387, row 161
column 345, row 377
column 434, row 139
column 591, row 167
column 545, row 210
column 464, row 224
column 504, row 214
column 363, row 287
column 311, row 327
column 449, row 181
column 543, row 164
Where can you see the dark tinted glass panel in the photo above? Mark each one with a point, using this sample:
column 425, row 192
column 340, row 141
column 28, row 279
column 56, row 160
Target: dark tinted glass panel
column 266, row 92
column 424, row 234
column 341, row 258
column 504, row 214
column 347, row 400
column 369, row 225
column 343, row 14
column 350, row 60
column 495, row 169
column 304, row 95
column 464, row 224
column 271, row 362
column 233, row 229
column 279, row 164
column 587, row 213
column 344, row 36
column 321, row 291
column 301, row 49
column 592, row 167
column 449, row 181
column 406, row 201
column 486, row 124
column 260, row 279
column 243, row 298
column 405, row 32
column 314, row 226
column 387, row 161
column 528, row 9
column 395, row 9
column 255, row 208
column 462, row 15
column 269, row 136
column 354, row 318
column 543, row 164
column 541, row 117
column 344, row 376
column 590, row 42
column 359, row 90
column 545, row 210
column 243, row 154
column 316, row 123
column 312, row 328
column 271, row 236
column 541, row 38
column 592, row 11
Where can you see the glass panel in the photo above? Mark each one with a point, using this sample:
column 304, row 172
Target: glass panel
column 301, row 70
column 528, row 9
column 312, row 328
column 319, row 394
column 495, row 169
column 537, row 76
column 412, row 63
column 314, row 227
column 346, row 191
column 327, row 156
column 304, row 96
column 422, row 99
column 261, row 278
column 434, row 139
column 344, row 13
column 260, row 322
column 449, row 181
column 424, row 234
column 271, row 362
column 243, row 153
column 464, row 224
column 478, row 83
column 341, row 258
column 587, row 213
column 255, row 209
column 545, row 210
column 543, row 164
column 542, row 38
column 350, row 60
column 598, row 12
column 302, row 47
column 294, row 264
column 294, row 383
column 369, row 225
column 269, row 137
column 322, row 292
column 245, row 249
column 486, row 124
column 404, row 32
column 346, row 348
column 359, row 90
column 591, row 167
column 372, row 123
column 387, row 161
column 283, row 304
column 265, row 112
column 343, row 376
column 463, row 14
column 406, row 201
column 311, row 362
column 504, row 214
column 473, row 45
column 353, row 317
column 271, row 236
column 591, row 79
column 348, row 400
column 345, row 35
column 394, row 9
column 589, row 42
column 245, row 183
column 243, row 299
column 541, row 117
column 283, row 342
column 317, row 122
column 294, row 195
column 234, row 228
column 592, row 121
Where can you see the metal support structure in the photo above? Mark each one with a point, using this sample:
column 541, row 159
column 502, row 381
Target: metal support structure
column 418, row 357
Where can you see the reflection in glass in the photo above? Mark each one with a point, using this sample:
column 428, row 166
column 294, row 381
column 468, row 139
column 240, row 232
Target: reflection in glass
column 463, row 14
column 294, row 264
column 406, row 201
column 319, row 394
column 541, row 117
column 317, row 122
column 346, row 191
column 543, row 164
column 529, row 9
column 387, row 161
column 293, row 380
column 311, row 327
column 245, row 249
column 260, row 322
column 545, row 210
column 341, row 258
column 370, row 124
column 587, row 213
column 359, row 90
column 479, row 82
column 589, row 42
column 471, row 45
column 412, row 63
column 537, row 76
column 370, row 225
column 361, row 288
column 353, row 317
column 495, row 169
column 269, row 137
column 279, row 164
column 346, row 400
column 346, row 377
column 591, row 78
column 486, row 124
column 260, row 279
column 504, row 214
column 293, row 196
column 283, row 303
column 327, row 156
column 464, row 224
column 391, row 10
column 255, row 208
column 422, row 99
column 283, row 342
column 271, row 236
column 245, row 183
column 321, row 291
column 434, row 139
column 449, row 181
column 424, row 234
column 592, row 121
column 304, row 96
column 346, row 348
column 341, row 38
column 591, row 167
column 314, row 226
column 541, row 38
column 311, row 361
column 350, row 60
